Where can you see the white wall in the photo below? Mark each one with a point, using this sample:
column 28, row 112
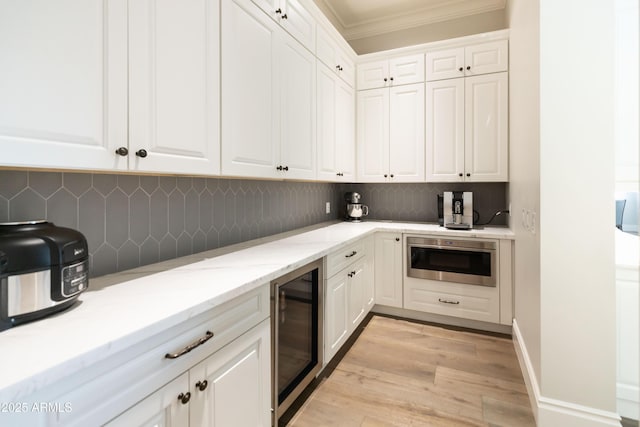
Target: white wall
column 561, row 190
column 524, row 171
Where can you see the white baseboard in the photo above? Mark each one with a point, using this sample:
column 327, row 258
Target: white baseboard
column 628, row 405
column 553, row 412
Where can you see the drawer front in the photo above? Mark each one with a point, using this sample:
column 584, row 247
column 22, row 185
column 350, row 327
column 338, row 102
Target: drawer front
column 338, row 260
column 110, row 387
column 452, row 299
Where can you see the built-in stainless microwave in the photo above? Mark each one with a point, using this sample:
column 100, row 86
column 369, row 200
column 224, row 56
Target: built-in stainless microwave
column 471, row 262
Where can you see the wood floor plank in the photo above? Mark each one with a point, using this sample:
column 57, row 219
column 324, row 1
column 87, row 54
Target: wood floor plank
column 402, row 373
column 509, row 391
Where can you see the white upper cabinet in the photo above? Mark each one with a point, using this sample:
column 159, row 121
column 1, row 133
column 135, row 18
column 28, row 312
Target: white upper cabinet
column 124, row 86
column 268, row 97
column 63, row 94
column 294, row 17
column 334, row 57
column 467, row 129
column 390, row 135
column 486, row 127
column 297, row 110
column 483, row 58
column 336, row 127
column 391, row 72
column 174, row 80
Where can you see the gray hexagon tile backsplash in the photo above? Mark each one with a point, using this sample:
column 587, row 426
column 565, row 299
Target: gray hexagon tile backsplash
column 131, row 220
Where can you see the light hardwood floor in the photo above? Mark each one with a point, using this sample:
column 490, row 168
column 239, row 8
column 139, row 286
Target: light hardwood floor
column 401, row 373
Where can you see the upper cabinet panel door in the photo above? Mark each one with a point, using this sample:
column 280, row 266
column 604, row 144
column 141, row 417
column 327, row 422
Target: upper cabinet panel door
column 406, row 130
column 174, row 85
column 373, row 135
column 486, row 128
column 63, row 83
column 299, row 22
column 445, row 130
column 346, row 132
column 326, row 124
column 373, row 75
column 250, row 87
column 445, row 64
column 487, row 58
column 406, row 70
column 297, row 110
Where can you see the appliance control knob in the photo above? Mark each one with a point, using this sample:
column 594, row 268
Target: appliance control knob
column 122, row 151
column 184, row 398
column 141, row 153
column 202, row 385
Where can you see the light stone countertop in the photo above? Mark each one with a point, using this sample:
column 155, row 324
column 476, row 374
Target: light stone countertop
column 122, row 309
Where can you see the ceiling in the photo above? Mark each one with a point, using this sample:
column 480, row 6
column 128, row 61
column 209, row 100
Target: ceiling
column 356, row 19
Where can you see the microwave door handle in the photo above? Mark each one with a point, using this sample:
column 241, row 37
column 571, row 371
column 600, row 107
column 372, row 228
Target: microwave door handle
column 450, row 248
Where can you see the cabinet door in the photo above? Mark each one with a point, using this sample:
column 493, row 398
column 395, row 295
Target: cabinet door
column 327, row 118
column 445, row 130
column 356, row 298
column 373, row 75
column 406, row 69
column 336, row 316
column 373, row 135
column 299, row 22
column 237, row 388
column 345, row 132
column 297, row 109
column 63, row 83
column 369, row 288
column 250, row 88
column 388, row 269
column 174, row 86
column 406, row 133
column 160, row 409
column 486, row 58
column 486, row 115
column 445, row 64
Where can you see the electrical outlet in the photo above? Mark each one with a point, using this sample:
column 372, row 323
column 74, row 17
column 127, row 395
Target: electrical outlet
column 327, row 208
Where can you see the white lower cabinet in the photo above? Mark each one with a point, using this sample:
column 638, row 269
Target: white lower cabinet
column 223, row 380
column 388, row 269
column 162, row 408
column 348, row 296
column 229, row 388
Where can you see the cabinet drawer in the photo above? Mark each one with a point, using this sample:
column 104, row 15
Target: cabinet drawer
column 452, row 299
column 339, row 259
column 111, row 386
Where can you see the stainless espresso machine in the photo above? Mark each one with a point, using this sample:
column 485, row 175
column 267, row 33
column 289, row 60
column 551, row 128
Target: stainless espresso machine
column 355, row 209
column 457, row 209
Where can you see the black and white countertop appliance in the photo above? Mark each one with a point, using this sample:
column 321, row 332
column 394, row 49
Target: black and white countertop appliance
column 43, row 269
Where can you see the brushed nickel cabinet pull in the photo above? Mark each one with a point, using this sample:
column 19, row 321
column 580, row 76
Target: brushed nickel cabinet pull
column 190, row 347
column 444, row 301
